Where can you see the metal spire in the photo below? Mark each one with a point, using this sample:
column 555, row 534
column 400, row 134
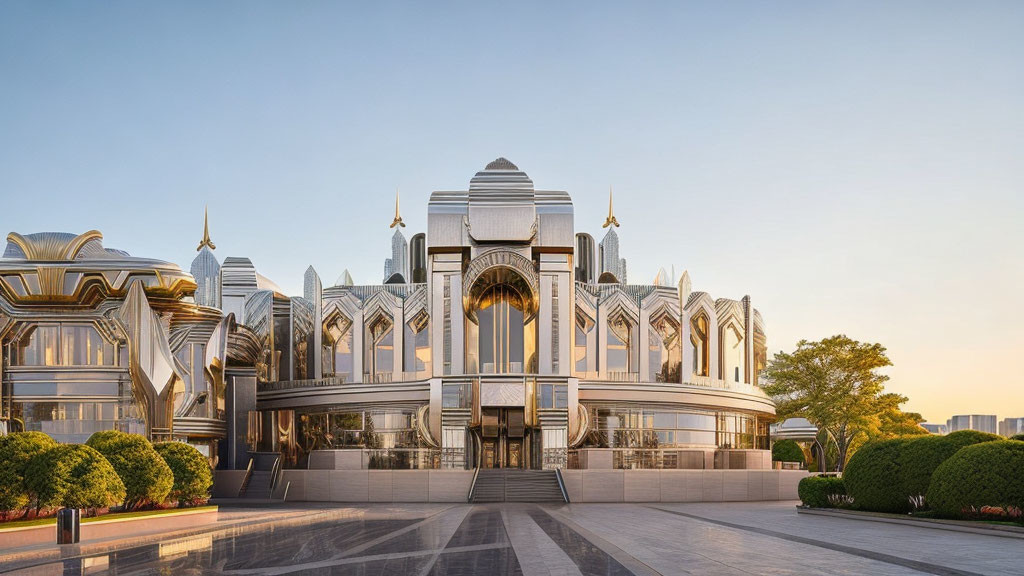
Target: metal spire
column 206, row 231
column 398, row 217
column 611, row 214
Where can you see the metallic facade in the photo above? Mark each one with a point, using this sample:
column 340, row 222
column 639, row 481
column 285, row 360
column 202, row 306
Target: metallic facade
column 500, row 338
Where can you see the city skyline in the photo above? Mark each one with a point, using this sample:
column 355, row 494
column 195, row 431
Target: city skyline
column 865, row 188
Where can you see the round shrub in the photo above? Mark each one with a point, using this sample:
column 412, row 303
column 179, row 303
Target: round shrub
column 787, row 451
column 986, row 474
column 872, row 477
column 192, row 475
column 146, row 477
column 73, row 476
column 920, row 457
column 16, row 451
column 814, row 491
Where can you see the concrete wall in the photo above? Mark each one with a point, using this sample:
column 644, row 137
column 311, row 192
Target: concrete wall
column 227, row 483
column 582, row 485
column 681, row 485
column 377, row 485
column 110, row 528
column 601, row 459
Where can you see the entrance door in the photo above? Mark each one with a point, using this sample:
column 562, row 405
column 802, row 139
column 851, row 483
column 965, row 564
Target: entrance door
column 503, row 433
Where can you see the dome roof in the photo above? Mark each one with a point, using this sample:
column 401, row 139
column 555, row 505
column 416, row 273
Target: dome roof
column 501, row 164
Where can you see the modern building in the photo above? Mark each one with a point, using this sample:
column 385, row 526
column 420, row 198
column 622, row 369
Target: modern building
column 1011, row 427
column 979, row 422
column 95, row 339
column 493, row 343
column 940, row 429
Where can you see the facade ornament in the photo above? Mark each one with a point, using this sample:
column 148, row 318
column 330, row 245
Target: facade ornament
column 206, row 232
column 610, row 220
column 398, row 217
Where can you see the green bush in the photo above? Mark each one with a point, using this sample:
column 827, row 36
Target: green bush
column 872, row 477
column 146, row 477
column 1017, row 437
column 73, row 476
column 987, row 474
column 787, row 451
column 16, row 451
column 814, row 491
column 920, row 457
column 192, row 475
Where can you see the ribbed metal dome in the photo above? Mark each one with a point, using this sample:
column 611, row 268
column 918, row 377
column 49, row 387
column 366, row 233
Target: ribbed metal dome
column 501, row 164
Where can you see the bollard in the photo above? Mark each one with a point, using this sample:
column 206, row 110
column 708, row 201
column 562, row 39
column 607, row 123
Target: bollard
column 68, row 522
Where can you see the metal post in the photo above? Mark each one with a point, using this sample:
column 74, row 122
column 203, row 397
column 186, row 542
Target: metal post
column 69, row 522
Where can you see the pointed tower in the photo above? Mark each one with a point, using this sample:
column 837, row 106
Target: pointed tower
column 206, row 269
column 610, row 220
column 398, row 215
column 399, row 261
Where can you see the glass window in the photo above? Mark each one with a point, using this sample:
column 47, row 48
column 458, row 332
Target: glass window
column 699, row 340
column 39, row 347
column 584, row 328
column 664, row 350
column 417, row 346
column 621, row 358
column 501, row 331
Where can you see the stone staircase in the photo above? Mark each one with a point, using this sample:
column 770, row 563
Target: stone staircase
column 258, row 485
column 516, row 486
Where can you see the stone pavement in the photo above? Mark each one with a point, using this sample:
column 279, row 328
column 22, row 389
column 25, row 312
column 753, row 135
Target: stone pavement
column 532, row 539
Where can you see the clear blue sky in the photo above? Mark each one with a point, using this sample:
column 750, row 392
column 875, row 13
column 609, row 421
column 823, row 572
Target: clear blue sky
column 854, row 167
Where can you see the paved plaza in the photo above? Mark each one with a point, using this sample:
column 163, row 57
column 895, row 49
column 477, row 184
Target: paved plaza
column 532, row 539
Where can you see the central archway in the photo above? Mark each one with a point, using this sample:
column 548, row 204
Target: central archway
column 501, row 302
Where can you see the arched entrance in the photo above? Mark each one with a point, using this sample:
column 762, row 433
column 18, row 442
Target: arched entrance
column 501, row 301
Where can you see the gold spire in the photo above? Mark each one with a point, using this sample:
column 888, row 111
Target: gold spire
column 398, row 217
column 611, row 214
column 206, row 231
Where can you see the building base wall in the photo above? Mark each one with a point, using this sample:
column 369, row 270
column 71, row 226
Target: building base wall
column 681, row 485
column 582, row 485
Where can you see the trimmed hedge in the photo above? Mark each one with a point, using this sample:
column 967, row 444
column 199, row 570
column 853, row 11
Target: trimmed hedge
column 787, row 451
column 814, row 491
column 147, row 478
column 921, row 456
column 192, row 475
column 987, row 474
column 16, row 451
column 872, row 477
column 1017, row 437
column 73, row 476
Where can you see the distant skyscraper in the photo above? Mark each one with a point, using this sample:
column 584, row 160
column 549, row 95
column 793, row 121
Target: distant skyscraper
column 418, row 258
column 399, row 261
column 979, row 422
column 610, row 261
column 586, row 267
column 399, row 256
column 1011, row 427
column 939, row 429
column 206, row 270
column 312, row 292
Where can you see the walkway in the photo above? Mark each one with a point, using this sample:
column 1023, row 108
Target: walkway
column 532, row 539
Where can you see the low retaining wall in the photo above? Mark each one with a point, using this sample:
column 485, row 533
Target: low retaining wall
column 681, row 485
column 377, row 485
column 112, row 528
column 582, row 485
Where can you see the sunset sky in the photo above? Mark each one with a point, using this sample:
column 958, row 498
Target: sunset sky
column 855, row 168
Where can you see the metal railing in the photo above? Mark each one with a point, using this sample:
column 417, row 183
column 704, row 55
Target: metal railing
column 401, row 458
column 307, row 383
column 245, row 480
column 275, row 472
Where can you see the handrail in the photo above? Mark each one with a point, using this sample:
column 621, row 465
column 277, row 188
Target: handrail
column 245, row 480
column 287, row 485
column 275, row 470
column 561, row 485
column 472, row 485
